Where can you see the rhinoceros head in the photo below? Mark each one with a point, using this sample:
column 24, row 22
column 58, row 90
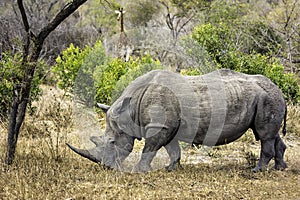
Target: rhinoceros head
column 112, row 148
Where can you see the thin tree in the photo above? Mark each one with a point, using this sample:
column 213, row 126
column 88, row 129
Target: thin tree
column 31, row 51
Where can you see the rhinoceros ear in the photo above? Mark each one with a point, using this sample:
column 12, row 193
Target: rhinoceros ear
column 125, row 104
column 103, row 107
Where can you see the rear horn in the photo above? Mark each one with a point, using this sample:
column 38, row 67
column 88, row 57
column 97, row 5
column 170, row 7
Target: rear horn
column 104, row 107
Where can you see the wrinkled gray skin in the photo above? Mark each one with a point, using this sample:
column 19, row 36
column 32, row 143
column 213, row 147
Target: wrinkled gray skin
column 214, row 109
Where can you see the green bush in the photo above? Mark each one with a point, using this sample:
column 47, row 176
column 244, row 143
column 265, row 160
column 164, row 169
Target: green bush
column 144, row 65
column 217, row 41
column 84, row 87
column 112, row 78
column 190, row 72
column 107, row 76
column 8, row 71
column 254, row 63
column 271, row 68
column 75, row 69
column 91, row 76
column 68, row 65
column 287, row 82
column 11, row 73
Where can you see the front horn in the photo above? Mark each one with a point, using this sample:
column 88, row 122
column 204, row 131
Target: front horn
column 83, row 153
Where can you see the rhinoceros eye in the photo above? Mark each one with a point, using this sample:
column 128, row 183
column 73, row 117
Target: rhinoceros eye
column 112, row 142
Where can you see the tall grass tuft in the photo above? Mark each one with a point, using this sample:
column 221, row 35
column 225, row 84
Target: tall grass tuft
column 50, row 122
column 293, row 117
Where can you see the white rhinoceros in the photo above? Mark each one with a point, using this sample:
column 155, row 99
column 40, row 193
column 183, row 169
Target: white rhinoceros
column 213, row 109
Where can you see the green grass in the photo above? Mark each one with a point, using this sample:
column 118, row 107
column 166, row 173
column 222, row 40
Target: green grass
column 45, row 169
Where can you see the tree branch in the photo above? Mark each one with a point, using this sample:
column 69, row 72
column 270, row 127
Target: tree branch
column 61, row 16
column 296, row 61
column 24, row 16
column 27, row 29
column 52, row 5
column 186, row 22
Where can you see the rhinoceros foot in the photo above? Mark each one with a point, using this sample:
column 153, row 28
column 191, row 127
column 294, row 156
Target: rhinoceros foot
column 259, row 169
column 141, row 168
column 280, row 165
column 174, row 166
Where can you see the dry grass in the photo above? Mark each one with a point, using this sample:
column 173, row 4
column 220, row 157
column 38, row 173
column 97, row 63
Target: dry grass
column 45, row 169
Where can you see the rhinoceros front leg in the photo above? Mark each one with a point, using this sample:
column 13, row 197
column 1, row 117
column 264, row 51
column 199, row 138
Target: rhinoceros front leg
column 149, row 151
column 174, row 152
column 279, row 153
column 267, row 152
column 158, row 138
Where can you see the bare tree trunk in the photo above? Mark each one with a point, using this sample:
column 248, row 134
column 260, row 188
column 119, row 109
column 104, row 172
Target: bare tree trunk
column 12, row 133
column 32, row 49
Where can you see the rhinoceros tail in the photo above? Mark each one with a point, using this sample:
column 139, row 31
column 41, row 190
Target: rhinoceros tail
column 284, row 122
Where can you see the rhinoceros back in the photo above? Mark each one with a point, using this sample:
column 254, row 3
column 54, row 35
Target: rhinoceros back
column 213, row 109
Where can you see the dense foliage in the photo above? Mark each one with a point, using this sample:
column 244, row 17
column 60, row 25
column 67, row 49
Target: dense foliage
column 7, row 66
column 103, row 81
column 90, row 75
column 139, row 67
column 68, row 65
column 113, row 78
column 217, row 41
column 10, row 76
column 75, row 69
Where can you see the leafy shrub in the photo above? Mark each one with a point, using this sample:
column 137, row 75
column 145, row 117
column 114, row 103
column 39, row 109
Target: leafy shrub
column 68, row 65
column 75, row 69
column 218, row 43
column 91, row 76
column 84, row 87
column 144, row 65
column 8, row 70
column 215, row 40
column 106, row 77
column 271, row 68
column 113, row 78
column 11, row 73
column 190, row 72
column 287, row 82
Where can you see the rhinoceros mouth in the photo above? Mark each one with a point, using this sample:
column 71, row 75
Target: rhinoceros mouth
column 84, row 153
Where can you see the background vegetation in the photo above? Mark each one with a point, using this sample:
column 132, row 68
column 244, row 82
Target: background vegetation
column 82, row 57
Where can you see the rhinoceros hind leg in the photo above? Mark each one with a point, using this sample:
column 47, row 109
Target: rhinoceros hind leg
column 174, row 152
column 267, row 152
column 279, row 153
